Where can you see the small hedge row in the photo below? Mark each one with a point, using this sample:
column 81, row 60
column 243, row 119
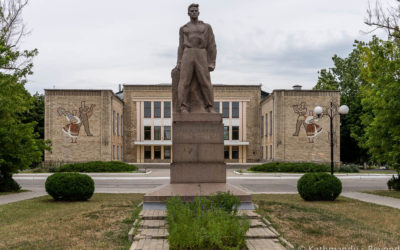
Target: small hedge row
column 70, row 186
column 291, row 167
column 97, row 166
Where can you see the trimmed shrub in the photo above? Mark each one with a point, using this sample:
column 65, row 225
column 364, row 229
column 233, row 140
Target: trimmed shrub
column 394, row 183
column 348, row 168
column 291, row 167
column 97, row 166
column 319, row 187
column 70, row 186
column 9, row 185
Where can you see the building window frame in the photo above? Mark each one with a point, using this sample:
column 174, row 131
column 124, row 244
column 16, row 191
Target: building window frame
column 235, row 109
column 147, row 133
column 147, row 109
column 225, row 109
column 235, row 132
column 167, row 133
column 157, row 133
column 157, row 109
column 167, row 149
column 226, row 133
column 167, row 109
column 147, row 152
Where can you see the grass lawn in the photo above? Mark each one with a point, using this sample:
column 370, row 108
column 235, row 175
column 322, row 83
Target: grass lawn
column 19, row 191
column 41, row 223
column 342, row 223
column 389, row 193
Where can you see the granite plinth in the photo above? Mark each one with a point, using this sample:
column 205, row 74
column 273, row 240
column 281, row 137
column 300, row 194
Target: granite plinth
column 188, row 191
column 198, row 173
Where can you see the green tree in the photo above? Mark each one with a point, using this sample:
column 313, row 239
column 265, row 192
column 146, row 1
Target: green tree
column 20, row 145
column 345, row 76
column 380, row 67
column 36, row 114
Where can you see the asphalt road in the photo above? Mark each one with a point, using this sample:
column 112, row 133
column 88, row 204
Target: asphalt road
column 261, row 183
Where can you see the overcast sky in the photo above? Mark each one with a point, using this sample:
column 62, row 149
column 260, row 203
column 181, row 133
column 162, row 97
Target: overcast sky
column 99, row 44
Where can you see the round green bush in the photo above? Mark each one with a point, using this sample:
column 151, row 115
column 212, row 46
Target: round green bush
column 9, row 185
column 319, row 187
column 70, row 186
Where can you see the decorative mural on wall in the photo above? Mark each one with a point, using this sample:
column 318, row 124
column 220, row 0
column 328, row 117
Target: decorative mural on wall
column 77, row 118
column 308, row 121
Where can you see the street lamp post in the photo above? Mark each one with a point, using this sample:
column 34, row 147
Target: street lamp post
column 331, row 111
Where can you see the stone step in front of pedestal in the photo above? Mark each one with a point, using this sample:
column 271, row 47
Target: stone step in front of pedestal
column 151, row 233
column 156, row 244
column 153, row 214
column 256, row 223
column 250, row 214
column 152, row 224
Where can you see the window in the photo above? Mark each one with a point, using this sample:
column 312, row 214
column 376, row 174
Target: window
column 216, row 107
column 157, row 109
column 147, row 152
column 147, row 132
column 118, row 124
column 266, row 124
column 225, row 109
column 117, row 152
column 235, row 152
column 167, row 109
column 270, row 152
column 270, row 122
column 261, row 126
column 147, row 109
column 122, row 125
column 266, row 152
column 157, row 132
column 113, row 152
column 167, row 152
column 167, row 132
column 235, row 132
column 226, row 152
column 235, row 109
column 157, row 152
column 113, row 122
column 226, row 132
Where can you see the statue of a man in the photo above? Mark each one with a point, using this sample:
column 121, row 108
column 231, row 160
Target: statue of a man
column 196, row 58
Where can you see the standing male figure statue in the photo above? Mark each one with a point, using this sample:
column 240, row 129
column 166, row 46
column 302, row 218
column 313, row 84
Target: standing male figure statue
column 196, row 58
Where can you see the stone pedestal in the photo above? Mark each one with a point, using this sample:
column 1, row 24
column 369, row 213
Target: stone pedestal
column 198, row 148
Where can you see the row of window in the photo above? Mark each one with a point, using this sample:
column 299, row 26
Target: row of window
column 235, row 152
column 119, row 127
column 235, row 132
column 157, row 109
column 157, row 152
column 119, row 154
column 268, row 124
column 225, row 109
column 157, row 133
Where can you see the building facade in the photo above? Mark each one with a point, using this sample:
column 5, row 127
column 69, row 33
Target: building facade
column 135, row 125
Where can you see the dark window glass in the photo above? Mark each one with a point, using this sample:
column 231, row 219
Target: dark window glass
column 167, row 152
column 266, row 124
column 266, row 152
column 167, row 132
column 216, row 107
column 147, row 132
column 114, row 122
column 117, row 123
column 235, row 132
column 226, row 152
column 225, row 109
column 113, row 152
column 157, row 133
column 226, row 133
column 122, row 125
column 117, row 152
column 147, row 109
column 157, row 109
column 167, row 109
column 147, row 152
column 261, row 126
column 157, row 152
column 270, row 122
column 235, row 109
column 235, row 152
column 270, row 151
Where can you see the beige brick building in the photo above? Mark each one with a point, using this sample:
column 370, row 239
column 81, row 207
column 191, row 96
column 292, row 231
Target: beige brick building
column 135, row 124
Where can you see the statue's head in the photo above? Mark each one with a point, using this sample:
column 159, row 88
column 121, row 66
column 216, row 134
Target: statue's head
column 193, row 10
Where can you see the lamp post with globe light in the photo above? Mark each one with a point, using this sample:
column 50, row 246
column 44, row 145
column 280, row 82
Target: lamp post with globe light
column 332, row 110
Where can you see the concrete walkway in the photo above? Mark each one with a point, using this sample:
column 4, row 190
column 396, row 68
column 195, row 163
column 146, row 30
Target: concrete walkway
column 377, row 199
column 9, row 198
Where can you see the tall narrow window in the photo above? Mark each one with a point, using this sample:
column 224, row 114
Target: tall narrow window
column 167, row 109
column 118, row 124
column 157, row 109
column 266, row 124
column 226, row 152
column 147, row 152
column 235, row 109
column 147, row 132
column 266, row 152
column 261, row 126
column 157, row 152
column 216, row 107
column 270, row 123
column 122, row 125
column 270, row 152
column 157, row 132
column 225, row 109
column 235, row 152
column 167, row 132
column 167, row 152
column 117, row 152
column 147, row 109
column 113, row 122
column 235, row 132
column 226, row 132
column 113, row 152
